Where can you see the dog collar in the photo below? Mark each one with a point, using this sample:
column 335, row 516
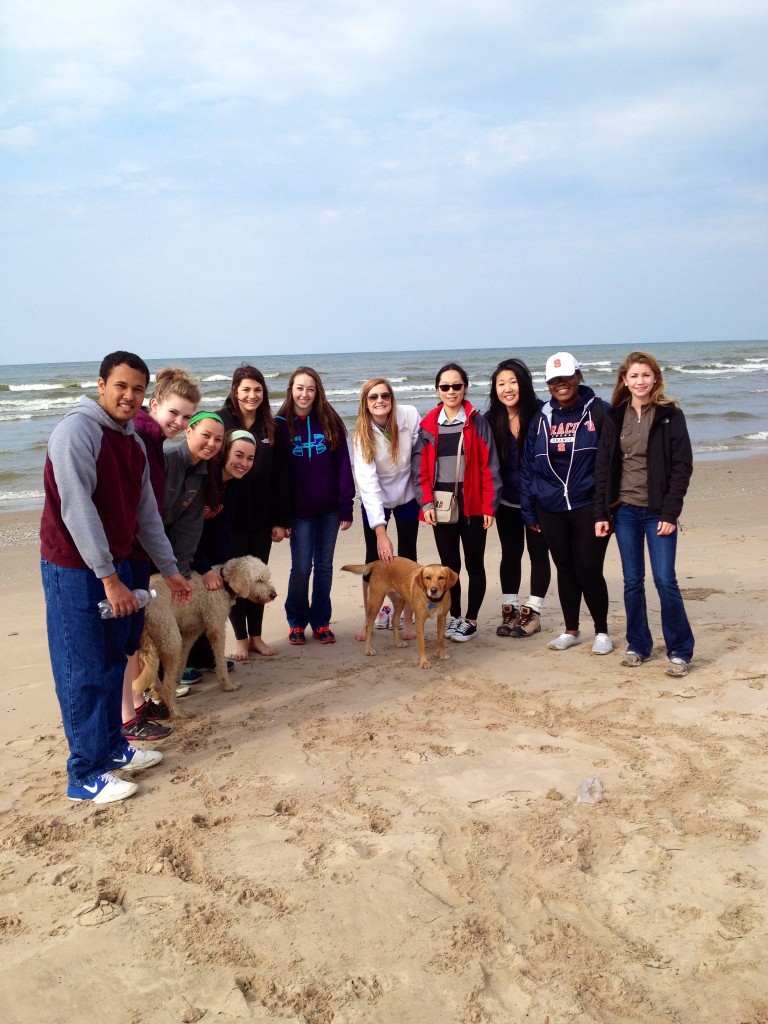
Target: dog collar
column 227, row 587
column 431, row 607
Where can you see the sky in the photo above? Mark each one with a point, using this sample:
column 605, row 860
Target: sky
column 193, row 177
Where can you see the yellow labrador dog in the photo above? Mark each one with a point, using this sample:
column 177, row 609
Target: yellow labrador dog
column 426, row 588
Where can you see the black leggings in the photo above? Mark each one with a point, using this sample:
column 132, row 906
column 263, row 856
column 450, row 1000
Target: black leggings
column 468, row 534
column 247, row 616
column 578, row 556
column 514, row 537
column 407, row 533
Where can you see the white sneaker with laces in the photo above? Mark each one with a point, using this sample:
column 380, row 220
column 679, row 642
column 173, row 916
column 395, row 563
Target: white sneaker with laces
column 135, row 760
column 384, row 618
column 451, row 625
column 563, row 642
column 106, row 789
column 602, row 644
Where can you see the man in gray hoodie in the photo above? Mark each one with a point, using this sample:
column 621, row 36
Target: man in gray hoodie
column 98, row 498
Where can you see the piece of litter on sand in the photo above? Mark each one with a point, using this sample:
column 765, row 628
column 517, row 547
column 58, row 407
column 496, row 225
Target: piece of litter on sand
column 590, row 791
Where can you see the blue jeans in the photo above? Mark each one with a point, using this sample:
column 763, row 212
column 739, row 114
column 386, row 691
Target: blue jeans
column 313, row 542
column 633, row 527
column 88, row 661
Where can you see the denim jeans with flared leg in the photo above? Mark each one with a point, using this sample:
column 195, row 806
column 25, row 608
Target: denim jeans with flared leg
column 313, row 542
column 634, row 528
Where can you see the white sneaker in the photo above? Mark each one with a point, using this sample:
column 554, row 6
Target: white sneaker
column 106, row 789
column 451, row 625
column 602, row 644
column 563, row 642
column 182, row 690
column 384, row 618
column 135, row 760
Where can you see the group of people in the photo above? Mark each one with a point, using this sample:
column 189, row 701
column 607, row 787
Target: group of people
column 557, row 478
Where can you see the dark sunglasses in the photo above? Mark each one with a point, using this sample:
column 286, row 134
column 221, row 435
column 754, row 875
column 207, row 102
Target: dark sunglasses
column 450, row 387
column 374, row 396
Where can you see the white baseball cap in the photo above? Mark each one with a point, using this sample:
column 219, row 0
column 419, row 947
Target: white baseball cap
column 561, row 364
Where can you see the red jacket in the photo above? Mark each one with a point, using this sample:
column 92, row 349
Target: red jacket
column 482, row 477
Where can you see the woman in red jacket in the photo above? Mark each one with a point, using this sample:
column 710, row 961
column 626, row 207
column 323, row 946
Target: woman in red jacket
column 457, row 455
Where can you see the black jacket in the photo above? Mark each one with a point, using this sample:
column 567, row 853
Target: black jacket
column 669, row 462
column 264, row 498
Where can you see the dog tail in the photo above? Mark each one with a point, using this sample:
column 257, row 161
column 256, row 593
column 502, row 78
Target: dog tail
column 359, row 570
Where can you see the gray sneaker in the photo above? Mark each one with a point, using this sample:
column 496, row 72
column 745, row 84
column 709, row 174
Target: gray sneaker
column 632, row 659
column 677, row 667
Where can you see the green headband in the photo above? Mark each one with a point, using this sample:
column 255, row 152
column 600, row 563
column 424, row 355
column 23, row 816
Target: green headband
column 205, row 416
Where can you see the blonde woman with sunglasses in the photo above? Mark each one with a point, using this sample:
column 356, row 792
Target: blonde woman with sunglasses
column 383, row 441
column 458, row 455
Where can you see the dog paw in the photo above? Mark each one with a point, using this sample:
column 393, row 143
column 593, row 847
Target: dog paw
column 230, row 685
column 370, row 652
column 442, row 656
column 401, row 643
column 425, row 664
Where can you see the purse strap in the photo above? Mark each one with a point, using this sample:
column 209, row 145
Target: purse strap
column 458, row 463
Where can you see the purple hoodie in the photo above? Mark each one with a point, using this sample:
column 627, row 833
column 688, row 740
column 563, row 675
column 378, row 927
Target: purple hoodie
column 321, row 478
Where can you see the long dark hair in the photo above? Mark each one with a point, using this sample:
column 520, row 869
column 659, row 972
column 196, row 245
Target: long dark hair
column 264, row 424
column 330, row 421
column 497, row 414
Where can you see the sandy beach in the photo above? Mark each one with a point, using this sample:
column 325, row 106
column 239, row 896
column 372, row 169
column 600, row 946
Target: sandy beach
column 349, row 839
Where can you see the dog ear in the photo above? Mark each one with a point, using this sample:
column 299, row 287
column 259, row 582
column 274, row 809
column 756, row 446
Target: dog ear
column 453, row 577
column 418, row 579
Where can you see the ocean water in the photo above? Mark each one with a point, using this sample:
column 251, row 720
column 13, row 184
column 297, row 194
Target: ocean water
column 722, row 387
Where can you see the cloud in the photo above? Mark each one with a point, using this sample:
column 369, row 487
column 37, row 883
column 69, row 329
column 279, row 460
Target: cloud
column 356, row 150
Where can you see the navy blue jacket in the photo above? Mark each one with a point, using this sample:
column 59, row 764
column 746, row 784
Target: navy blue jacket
column 579, row 426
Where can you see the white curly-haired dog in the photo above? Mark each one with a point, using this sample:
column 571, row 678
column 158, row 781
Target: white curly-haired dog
column 170, row 629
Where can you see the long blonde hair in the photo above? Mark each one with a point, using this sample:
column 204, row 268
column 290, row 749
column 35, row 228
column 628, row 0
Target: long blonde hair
column 621, row 392
column 364, row 432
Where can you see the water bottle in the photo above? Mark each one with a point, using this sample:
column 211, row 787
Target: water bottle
column 142, row 596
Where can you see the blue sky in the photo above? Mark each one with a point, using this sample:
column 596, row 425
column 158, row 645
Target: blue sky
column 185, row 178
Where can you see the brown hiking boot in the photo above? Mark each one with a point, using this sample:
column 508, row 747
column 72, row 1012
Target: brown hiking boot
column 528, row 623
column 509, row 616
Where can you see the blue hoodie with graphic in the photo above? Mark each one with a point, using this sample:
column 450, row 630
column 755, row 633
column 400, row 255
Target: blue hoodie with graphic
column 321, row 478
